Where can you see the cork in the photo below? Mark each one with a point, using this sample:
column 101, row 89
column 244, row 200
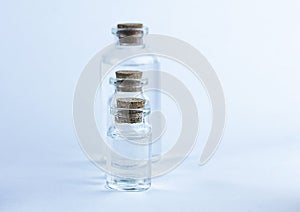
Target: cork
column 129, row 74
column 130, row 103
column 130, row 33
column 129, row 80
column 130, row 25
column 127, row 114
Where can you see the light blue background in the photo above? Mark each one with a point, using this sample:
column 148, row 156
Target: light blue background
column 253, row 46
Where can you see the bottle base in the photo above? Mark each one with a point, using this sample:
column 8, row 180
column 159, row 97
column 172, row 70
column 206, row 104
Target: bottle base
column 123, row 184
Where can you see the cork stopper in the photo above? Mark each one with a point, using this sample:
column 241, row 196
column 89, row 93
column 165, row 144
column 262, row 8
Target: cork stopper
column 130, row 103
column 129, row 74
column 126, row 112
column 130, row 25
column 130, row 33
column 129, row 81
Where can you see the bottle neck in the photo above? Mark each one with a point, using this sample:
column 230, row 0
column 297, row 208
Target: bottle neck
column 130, row 37
column 130, row 41
column 129, row 85
column 122, row 94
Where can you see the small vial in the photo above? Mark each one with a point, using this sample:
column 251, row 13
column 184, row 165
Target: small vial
column 129, row 135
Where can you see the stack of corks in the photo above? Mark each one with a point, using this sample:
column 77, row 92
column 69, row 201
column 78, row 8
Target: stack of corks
column 129, row 109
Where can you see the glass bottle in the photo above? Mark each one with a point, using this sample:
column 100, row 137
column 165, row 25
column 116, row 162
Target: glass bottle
column 129, row 135
column 130, row 39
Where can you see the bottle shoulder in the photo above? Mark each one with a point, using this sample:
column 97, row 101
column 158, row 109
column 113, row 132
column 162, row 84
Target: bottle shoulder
column 136, row 130
column 114, row 55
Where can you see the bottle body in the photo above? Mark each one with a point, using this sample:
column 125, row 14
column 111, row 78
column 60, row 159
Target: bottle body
column 129, row 134
column 133, row 142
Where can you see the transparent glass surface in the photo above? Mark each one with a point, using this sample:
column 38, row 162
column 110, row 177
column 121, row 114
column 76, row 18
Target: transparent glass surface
column 129, row 140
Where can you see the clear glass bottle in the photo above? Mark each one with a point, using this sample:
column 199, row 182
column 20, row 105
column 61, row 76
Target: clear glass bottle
column 130, row 39
column 129, row 135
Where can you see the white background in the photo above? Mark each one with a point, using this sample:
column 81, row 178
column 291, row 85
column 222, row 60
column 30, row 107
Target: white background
column 253, row 46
